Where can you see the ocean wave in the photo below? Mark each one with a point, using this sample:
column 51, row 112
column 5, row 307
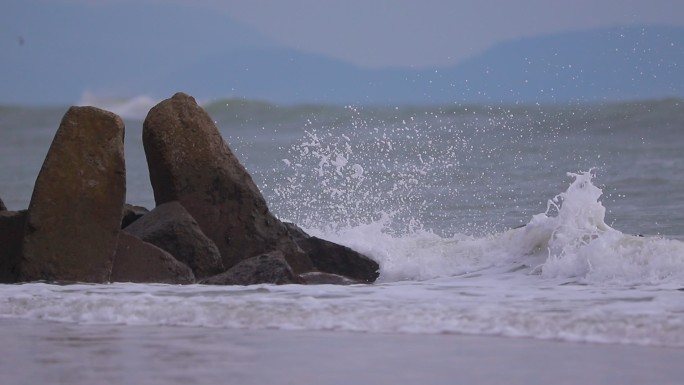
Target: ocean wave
column 570, row 240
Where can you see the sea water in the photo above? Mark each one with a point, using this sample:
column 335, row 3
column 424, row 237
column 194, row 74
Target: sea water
column 537, row 222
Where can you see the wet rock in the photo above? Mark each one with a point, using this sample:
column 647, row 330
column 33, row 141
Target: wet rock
column 74, row 217
column 142, row 262
column 12, row 225
column 329, row 257
column 189, row 162
column 131, row 214
column 318, row 278
column 332, row 258
column 265, row 268
column 171, row 228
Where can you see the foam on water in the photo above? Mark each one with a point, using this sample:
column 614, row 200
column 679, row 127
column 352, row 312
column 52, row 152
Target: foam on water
column 569, row 240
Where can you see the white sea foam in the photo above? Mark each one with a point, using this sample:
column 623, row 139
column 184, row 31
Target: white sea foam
column 569, row 240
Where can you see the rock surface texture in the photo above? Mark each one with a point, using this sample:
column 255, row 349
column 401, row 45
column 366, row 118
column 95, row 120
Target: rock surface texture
column 329, row 257
column 189, row 162
column 12, row 225
column 138, row 261
column 131, row 214
column 171, row 228
column 265, row 268
column 74, row 217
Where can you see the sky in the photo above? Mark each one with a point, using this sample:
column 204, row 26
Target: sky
column 420, row 33
column 431, row 33
column 56, row 50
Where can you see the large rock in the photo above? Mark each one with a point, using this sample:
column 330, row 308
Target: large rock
column 12, row 225
column 74, row 217
column 2, row 205
column 171, row 228
column 189, row 162
column 266, row 268
column 329, row 257
column 141, row 262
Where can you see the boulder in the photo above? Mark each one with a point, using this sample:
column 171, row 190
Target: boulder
column 171, row 228
column 329, row 257
column 131, row 214
column 2, row 205
column 74, row 217
column 138, row 261
column 265, row 268
column 189, row 162
column 11, row 237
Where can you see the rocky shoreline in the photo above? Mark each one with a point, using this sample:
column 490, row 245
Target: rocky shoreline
column 211, row 225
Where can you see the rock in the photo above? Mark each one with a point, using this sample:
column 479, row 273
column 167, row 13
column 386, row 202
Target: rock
column 265, row 268
column 296, row 232
column 138, row 261
column 318, row 278
column 74, row 217
column 11, row 237
column 189, row 162
column 2, row 205
column 171, row 228
column 131, row 214
column 329, row 257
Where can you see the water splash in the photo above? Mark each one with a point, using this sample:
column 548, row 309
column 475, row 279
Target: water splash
column 569, row 241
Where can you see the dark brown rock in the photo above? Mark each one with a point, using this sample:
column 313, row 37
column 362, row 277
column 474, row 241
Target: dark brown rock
column 138, row 261
column 12, row 225
column 131, row 214
column 189, row 162
column 265, row 268
column 171, row 228
column 335, row 259
column 74, row 217
column 296, row 232
column 329, row 257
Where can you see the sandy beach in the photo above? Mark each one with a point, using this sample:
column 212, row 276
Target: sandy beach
column 44, row 352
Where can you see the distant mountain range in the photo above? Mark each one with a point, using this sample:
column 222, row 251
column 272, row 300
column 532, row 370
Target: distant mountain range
column 609, row 64
column 620, row 63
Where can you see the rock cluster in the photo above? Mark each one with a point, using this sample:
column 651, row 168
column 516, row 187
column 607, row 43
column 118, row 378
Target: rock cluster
column 211, row 224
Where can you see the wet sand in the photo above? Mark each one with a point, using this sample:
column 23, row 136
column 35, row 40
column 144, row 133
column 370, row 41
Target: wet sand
column 36, row 352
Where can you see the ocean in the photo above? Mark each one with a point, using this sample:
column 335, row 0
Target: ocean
column 528, row 244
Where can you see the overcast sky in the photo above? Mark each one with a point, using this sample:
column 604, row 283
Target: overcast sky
column 425, row 33
column 408, row 33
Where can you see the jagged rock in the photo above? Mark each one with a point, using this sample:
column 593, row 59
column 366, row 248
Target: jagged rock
column 171, row 228
column 318, row 278
column 329, row 257
column 265, row 268
column 74, row 217
column 2, row 205
column 189, row 162
column 142, row 262
column 11, row 237
column 131, row 214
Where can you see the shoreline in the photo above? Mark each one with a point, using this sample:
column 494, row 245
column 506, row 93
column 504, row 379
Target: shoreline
column 86, row 354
